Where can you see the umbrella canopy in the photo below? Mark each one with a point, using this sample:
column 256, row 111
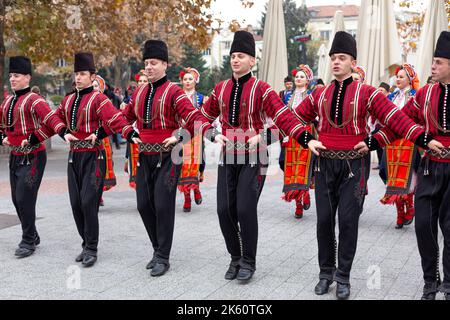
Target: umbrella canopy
column 274, row 56
column 322, row 55
column 434, row 23
column 377, row 39
column 338, row 25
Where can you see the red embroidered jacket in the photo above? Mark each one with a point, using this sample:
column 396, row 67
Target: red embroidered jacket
column 244, row 105
column 342, row 127
column 427, row 110
column 30, row 118
column 87, row 111
column 158, row 110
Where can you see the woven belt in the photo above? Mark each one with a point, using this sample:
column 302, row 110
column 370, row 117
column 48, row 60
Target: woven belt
column 83, row 144
column 444, row 154
column 154, row 147
column 239, row 146
column 26, row 149
column 341, row 154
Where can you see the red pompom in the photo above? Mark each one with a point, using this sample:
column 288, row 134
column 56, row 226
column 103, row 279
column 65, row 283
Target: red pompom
column 294, row 72
column 182, row 74
column 136, row 77
column 398, row 70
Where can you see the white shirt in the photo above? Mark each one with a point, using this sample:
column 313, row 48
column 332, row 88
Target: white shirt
column 400, row 99
column 298, row 97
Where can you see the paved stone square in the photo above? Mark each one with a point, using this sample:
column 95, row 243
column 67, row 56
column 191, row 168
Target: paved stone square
column 386, row 266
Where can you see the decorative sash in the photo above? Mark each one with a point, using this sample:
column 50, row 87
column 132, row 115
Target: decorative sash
column 192, row 158
column 399, row 157
column 110, row 177
column 131, row 163
column 297, row 170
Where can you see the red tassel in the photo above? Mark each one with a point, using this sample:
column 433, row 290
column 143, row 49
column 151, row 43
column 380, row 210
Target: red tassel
column 306, row 199
column 186, row 188
column 409, row 203
column 292, row 195
column 97, row 164
column 392, row 198
column 299, row 210
column 400, row 212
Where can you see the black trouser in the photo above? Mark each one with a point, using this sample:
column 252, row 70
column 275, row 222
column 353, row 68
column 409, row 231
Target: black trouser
column 115, row 140
column 282, row 157
column 379, row 155
column 238, row 189
column 382, row 167
column 432, row 205
column 86, row 176
column 156, row 190
column 25, row 176
column 340, row 186
column 203, row 164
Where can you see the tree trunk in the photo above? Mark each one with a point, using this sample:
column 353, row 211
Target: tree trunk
column 108, row 73
column 126, row 81
column 118, row 62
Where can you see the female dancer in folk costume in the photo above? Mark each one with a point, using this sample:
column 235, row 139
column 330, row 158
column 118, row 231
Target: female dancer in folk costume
column 110, row 178
column 401, row 158
column 359, row 74
column 193, row 152
column 296, row 161
column 132, row 153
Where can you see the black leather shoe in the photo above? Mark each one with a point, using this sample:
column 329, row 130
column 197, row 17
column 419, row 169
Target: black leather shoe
column 151, row 264
column 88, row 260
column 322, row 287
column 408, row 222
column 186, row 209
column 232, row 272
column 429, row 296
column 306, row 206
column 399, row 226
column 429, row 291
column 342, row 291
column 159, row 269
column 80, row 257
column 37, row 240
column 447, row 296
column 23, row 252
column 244, row 274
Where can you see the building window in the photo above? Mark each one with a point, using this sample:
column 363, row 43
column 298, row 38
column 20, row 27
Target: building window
column 227, row 45
column 353, row 33
column 207, row 52
column 325, row 35
column 61, row 63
